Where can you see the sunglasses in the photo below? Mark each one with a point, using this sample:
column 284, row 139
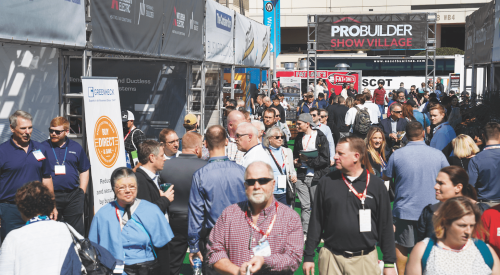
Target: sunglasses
column 279, row 137
column 58, row 132
column 323, row 116
column 239, row 136
column 262, row 181
column 397, row 112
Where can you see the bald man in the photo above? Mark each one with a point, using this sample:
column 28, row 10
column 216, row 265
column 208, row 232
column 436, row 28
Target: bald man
column 234, row 119
column 179, row 172
column 247, row 139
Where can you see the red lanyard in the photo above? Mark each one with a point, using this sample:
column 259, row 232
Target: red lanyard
column 270, row 151
column 361, row 197
column 305, row 148
column 118, row 216
column 258, row 229
column 127, row 135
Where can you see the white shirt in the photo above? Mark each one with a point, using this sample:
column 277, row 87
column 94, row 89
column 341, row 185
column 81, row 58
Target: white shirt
column 152, row 175
column 256, row 153
column 318, row 89
column 39, row 248
column 373, row 110
column 174, row 156
column 344, row 93
column 309, row 144
column 350, row 116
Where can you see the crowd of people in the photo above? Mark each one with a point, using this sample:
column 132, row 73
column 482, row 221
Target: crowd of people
column 227, row 196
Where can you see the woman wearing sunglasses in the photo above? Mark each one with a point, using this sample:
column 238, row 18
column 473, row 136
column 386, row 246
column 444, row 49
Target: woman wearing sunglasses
column 282, row 164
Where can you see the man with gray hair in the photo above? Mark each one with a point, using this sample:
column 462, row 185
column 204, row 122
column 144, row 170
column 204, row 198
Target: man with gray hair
column 233, row 120
column 260, row 127
column 247, row 141
column 393, row 124
column 22, row 160
column 238, row 243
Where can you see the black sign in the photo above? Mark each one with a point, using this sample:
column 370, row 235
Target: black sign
column 153, row 90
column 479, row 30
column 368, row 32
column 454, row 80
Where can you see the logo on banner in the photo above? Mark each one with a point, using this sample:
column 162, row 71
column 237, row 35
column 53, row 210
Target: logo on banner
column 223, row 21
column 193, row 24
column 269, row 7
column 145, row 10
column 265, row 46
column 179, row 19
column 336, row 79
column 100, row 92
column 106, row 141
column 121, row 5
column 249, row 42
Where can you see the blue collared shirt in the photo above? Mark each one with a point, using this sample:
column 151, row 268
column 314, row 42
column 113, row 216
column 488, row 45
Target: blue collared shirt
column 215, row 186
column 76, row 162
column 443, row 135
column 18, row 167
column 280, row 158
column 414, row 169
column 322, row 104
column 484, row 173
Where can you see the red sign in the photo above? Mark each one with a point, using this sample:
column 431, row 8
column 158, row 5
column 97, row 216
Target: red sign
column 333, row 79
column 303, row 74
column 336, row 79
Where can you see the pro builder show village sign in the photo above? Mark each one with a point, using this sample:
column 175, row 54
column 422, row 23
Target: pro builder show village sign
column 356, row 32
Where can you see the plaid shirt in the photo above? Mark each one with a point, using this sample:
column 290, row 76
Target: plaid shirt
column 233, row 238
column 232, row 151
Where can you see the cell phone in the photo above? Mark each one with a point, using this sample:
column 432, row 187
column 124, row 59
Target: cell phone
column 165, row 186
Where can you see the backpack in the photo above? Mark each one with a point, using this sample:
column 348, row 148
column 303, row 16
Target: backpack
column 362, row 122
column 481, row 246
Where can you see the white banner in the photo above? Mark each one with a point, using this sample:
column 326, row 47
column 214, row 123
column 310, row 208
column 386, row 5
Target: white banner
column 251, row 45
column 104, row 134
column 219, row 33
column 393, row 82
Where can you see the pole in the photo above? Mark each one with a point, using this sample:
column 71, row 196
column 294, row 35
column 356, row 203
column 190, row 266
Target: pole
column 275, row 48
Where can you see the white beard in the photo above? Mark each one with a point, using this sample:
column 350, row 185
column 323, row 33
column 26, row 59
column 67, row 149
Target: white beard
column 258, row 197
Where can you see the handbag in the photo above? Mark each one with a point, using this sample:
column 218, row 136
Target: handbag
column 144, row 268
column 290, row 191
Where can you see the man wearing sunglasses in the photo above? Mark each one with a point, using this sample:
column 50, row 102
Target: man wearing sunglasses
column 281, row 110
column 308, row 103
column 283, row 127
column 22, row 160
column 239, row 241
column 309, row 169
column 69, row 168
column 133, row 137
column 247, row 141
column 394, row 124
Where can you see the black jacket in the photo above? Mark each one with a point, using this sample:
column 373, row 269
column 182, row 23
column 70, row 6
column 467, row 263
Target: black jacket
column 340, row 111
column 321, row 163
column 147, row 190
column 282, row 112
column 387, row 127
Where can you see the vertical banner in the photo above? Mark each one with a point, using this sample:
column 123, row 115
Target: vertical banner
column 104, row 134
column 245, row 49
column 219, row 33
column 269, row 18
column 496, row 34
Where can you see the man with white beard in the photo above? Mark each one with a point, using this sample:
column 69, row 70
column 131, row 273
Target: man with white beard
column 239, row 240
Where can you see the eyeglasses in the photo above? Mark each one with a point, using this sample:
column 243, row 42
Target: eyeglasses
column 397, row 112
column 262, row 181
column 123, row 188
column 277, row 116
column 279, row 137
column 58, row 132
column 314, row 115
column 239, row 136
column 323, row 116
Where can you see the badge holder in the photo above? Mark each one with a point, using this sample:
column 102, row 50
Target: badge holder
column 365, row 219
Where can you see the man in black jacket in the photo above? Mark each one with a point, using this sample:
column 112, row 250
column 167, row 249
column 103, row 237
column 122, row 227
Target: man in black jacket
column 352, row 213
column 312, row 168
column 339, row 111
column 179, row 172
column 394, row 124
column 277, row 105
column 152, row 160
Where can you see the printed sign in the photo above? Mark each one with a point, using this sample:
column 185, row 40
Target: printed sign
column 454, row 80
column 104, row 134
column 219, row 36
column 269, row 7
column 333, row 79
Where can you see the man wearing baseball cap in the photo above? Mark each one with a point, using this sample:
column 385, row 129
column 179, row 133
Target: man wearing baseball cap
column 190, row 123
column 133, row 137
column 308, row 103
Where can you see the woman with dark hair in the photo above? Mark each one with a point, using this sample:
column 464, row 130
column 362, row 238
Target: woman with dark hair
column 130, row 228
column 453, row 250
column 274, row 90
column 42, row 245
column 408, row 112
column 452, row 181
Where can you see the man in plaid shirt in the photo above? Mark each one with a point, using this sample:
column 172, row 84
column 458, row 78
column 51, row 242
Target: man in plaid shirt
column 260, row 233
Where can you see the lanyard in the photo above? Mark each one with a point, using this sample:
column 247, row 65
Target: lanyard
column 120, row 219
column 130, row 131
column 492, row 147
column 258, row 229
column 283, row 153
column 383, row 162
column 37, row 219
column 362, row 196
column 305, row 148
column 64, row 154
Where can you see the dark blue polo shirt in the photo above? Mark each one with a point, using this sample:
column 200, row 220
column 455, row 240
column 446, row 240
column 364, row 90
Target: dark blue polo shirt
column 484, row 173
column 76, row 163
column 18, row 167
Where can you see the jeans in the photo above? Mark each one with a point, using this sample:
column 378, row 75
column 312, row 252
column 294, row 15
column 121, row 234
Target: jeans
column 382, row 110
column 70, row 208
column 306, row 190
column 11, row 219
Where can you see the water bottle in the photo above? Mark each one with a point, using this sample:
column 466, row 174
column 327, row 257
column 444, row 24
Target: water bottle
column 197, row 266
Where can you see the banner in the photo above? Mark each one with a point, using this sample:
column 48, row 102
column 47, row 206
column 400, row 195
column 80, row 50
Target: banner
column 251, row 45
column 371, row 32
column 454, row 81
column 104, row 134
column 220, row 30
column 183, row 29
column 333, row 79
column 50, row 21
column 269, row 7
column 127, row 26
column 496, row 34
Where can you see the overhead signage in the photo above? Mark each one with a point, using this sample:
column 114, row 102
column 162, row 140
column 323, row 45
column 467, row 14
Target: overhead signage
column 219, row 33
column 370, row 32
column 251, row 46
column 269, row 8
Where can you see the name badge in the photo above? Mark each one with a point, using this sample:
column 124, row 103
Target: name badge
column 365, row 220
column 59, row 169
column 263, row 249
column 282, row 181
column 38, row 155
